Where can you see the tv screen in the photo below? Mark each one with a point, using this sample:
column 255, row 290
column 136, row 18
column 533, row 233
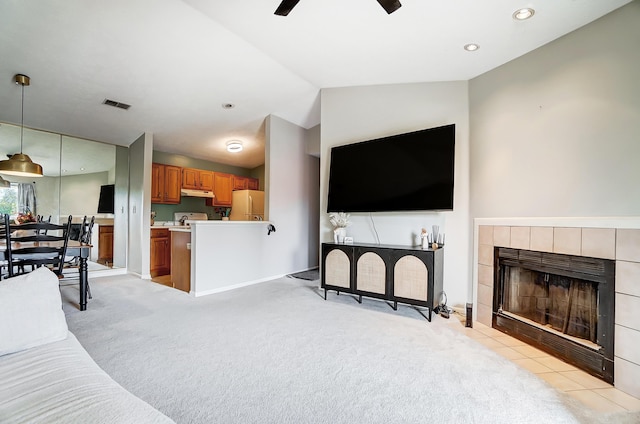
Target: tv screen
column 405, row 172
column 105, row 203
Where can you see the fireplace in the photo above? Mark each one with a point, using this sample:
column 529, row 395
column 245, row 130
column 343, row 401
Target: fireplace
column 561, row 304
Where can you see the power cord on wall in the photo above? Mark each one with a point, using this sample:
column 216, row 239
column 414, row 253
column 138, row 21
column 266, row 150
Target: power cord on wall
column 374, row 227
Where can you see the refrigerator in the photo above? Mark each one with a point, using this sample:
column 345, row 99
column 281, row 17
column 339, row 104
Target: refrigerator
column 247, row 205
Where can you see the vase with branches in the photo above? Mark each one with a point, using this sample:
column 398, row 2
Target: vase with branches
column 340, row 221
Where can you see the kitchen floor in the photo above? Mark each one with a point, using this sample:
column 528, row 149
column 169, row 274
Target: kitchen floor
column 165, row 280
column 592, row 392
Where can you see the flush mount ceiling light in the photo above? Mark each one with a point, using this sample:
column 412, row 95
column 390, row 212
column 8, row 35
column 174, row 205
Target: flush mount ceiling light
column 523, row 14
column 471, row 47
column 19, row 163
column 234, row 146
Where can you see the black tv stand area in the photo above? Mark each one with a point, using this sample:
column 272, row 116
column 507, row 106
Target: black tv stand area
column 400, row 274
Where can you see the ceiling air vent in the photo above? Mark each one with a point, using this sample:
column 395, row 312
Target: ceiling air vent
column 113, row 103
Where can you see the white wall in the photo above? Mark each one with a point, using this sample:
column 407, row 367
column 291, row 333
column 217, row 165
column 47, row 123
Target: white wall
column 231, row 254
column 140, row 154
column 360, row 113
column 557, row 132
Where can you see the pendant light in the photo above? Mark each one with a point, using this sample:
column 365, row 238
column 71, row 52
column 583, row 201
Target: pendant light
column 4, row 183
column 19, row 163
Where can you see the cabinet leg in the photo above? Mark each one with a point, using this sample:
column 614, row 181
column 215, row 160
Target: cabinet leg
column 360, row 299
column 337, row 292
column 395, row 306
column 325, row 294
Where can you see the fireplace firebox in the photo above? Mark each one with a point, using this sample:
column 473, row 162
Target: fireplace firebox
column 561, row 304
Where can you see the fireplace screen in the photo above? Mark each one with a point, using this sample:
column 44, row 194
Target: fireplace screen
column 567, row 305
column 561, row 304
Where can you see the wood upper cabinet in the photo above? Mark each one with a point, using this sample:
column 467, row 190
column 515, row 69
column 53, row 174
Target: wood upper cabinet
column 245, row 183
column 165, row 183
column 222, row 188
column 160, row 252
column 240, row 183
column 253, row 184
column 197, row 179
column 206, row 180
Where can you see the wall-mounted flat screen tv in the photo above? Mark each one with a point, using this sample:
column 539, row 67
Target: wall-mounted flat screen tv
column 405, row 172
column 106, row 200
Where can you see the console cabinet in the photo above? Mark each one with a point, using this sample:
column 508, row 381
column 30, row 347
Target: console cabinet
column 400, row 274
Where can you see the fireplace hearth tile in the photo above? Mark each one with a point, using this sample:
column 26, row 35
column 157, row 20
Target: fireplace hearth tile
column 485, row 235
column 485, row 294
column 586, row 380
column 484, row 314
column 485, row 275
column 628, row 278
column 502, row 236
column 560, row 382
column 567, row 241
column 595, row 401
column 532, row 366
column 627, row 344
column 556, row 364
column 620, row 398
column 530, row 351
column 508, row 353
column 599, row 242
column 542, row 239
column 627, row 377
column 627, row 308
column 520, row 237
column 485, row 254
column 509, row 341
column 628, row 245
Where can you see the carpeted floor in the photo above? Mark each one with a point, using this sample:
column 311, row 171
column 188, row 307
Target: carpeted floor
column 277, row 352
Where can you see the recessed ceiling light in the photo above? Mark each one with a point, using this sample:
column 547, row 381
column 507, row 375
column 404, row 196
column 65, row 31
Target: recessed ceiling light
column 234, row 146
column 523, row 14
column 471, row 47
column 228, row 105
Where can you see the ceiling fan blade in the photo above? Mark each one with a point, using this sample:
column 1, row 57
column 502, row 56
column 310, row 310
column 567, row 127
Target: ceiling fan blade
column 389, row 6
column 285, row 7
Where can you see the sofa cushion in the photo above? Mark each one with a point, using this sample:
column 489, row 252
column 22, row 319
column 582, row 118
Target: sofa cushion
column 30, row 311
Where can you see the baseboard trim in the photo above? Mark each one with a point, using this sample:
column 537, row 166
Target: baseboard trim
column 236, row 286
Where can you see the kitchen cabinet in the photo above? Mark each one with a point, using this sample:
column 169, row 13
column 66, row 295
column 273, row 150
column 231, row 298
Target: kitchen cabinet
column 253, row 184
column 245, row 183
column 197, row 179
column 160, row 252
column 105, row 244
column 240, row 183
column 165, row 183
column 222, row 188
column 181, row 260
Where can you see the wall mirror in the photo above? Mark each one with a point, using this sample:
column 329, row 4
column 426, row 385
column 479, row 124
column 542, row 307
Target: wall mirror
column 74, row 171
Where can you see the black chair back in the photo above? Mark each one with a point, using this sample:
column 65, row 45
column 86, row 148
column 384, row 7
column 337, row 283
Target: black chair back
column 36, row 244
column 5, row 237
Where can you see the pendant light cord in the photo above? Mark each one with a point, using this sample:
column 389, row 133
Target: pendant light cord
column 22, row 119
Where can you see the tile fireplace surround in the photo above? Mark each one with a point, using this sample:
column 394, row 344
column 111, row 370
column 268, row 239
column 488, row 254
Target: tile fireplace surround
column 608, row 238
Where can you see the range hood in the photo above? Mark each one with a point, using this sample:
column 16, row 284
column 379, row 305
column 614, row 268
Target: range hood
column 197, row 193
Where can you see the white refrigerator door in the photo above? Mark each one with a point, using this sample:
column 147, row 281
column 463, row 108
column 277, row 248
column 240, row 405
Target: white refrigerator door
column 247, row 205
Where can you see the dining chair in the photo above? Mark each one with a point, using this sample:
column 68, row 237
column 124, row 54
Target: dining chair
column 83, row 235
column 36, row 244
column 5, row 237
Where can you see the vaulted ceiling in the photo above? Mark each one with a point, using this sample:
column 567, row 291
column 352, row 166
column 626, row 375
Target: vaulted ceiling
column 178, row 62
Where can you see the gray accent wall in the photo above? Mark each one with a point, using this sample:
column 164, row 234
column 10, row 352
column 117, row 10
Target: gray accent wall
column 556, row 132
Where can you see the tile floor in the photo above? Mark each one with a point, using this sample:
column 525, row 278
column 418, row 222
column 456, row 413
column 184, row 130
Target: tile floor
column 593, row 392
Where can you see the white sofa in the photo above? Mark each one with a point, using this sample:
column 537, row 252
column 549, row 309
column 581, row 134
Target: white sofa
column 46, row 376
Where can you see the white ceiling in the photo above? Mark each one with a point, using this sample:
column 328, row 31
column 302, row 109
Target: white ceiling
column 176, row 62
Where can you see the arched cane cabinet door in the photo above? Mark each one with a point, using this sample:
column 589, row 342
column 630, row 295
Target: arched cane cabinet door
column 337, row 269
column 371, row 272
column 410, row 278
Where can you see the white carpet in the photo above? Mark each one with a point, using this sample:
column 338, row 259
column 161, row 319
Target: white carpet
column 276, row 352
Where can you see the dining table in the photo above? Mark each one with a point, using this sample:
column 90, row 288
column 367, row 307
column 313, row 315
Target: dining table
column 74, row 248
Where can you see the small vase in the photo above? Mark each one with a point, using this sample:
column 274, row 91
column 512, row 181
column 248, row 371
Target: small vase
column 339, row 234
column 225, row 218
